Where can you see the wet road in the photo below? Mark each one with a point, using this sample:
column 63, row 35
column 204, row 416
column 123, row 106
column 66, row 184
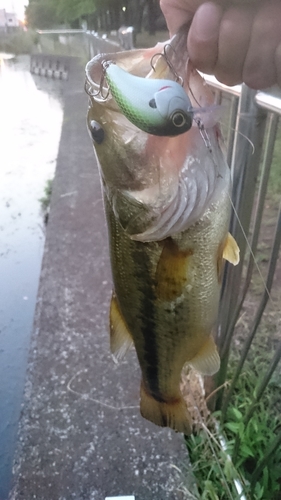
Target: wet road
column 30, row 125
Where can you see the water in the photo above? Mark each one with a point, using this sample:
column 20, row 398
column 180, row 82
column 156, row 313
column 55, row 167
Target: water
column 30, row 124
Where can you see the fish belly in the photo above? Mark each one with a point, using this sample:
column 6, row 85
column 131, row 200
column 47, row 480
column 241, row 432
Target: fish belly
column 166, row 298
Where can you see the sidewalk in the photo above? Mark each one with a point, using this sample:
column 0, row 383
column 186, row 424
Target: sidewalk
column 81, row 435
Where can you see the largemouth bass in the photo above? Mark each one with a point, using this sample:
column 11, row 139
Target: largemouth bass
column 167, row 204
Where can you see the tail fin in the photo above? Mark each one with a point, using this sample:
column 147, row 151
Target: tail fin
column 173, row 414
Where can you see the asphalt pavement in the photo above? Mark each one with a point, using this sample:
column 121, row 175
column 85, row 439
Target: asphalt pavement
column 81, row 435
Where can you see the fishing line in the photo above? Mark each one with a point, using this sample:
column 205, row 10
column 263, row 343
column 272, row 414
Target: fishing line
column 242, row 135
column 89, row 398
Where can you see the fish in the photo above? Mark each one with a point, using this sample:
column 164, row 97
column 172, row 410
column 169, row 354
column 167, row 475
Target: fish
column 167, row 205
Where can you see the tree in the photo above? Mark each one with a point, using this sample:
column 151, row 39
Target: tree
column 73, row 10
column 100, row 14
column 40, row 14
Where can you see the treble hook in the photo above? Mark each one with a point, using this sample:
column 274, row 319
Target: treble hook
column 203, row 133
column 164, row 54
column 100, row 92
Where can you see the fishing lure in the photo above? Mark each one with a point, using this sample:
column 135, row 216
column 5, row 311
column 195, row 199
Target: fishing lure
column 159, row 107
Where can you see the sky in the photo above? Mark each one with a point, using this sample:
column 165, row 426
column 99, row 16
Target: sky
column 14, row 6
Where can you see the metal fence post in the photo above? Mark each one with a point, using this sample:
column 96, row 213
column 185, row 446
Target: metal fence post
column 249, row 133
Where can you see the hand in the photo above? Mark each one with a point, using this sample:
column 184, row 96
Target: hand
column 237, row 41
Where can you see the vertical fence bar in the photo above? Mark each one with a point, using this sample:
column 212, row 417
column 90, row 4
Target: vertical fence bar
column 233, row 109
column 268, row 154
column 249, row 130
column 263, row 303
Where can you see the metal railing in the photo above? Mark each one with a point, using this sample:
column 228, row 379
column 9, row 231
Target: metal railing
column 252, row 129
column 85, row 44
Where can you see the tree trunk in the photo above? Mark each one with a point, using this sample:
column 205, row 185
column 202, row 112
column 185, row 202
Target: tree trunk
column 151, row 16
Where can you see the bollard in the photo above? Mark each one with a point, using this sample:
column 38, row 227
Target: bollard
column 49, row 66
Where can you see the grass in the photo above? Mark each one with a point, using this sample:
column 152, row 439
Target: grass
column 46, row 200
column 265, row 423
column 212, row 467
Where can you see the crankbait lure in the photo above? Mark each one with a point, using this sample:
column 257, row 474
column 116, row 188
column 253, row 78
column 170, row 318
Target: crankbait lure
column 159, row 107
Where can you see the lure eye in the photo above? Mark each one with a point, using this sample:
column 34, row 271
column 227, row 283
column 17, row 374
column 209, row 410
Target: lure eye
column 96, row 131
column 178, row 119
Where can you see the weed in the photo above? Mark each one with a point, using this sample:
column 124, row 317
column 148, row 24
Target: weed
column 212, row 466
column 262, row 429
column 46, row 200
column 216, row 464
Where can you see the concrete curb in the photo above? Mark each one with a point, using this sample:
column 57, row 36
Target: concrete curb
column 81, row 435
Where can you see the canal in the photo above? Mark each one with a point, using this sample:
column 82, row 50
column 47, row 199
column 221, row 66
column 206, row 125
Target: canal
column 31, row 115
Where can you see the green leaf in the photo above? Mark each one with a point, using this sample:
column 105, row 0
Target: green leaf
column 237, row 414
column 246, row 451
column 232, row 426
column 259, row 490
column 209, row 491
column 229, row 470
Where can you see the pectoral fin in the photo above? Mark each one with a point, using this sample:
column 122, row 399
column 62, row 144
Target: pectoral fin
column 231, row 250
column 207, row 360
column 120, row 337
column 173, row 414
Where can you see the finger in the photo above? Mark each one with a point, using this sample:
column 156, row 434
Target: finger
column 177, row 13
column 202, row 41
column 234, row 40
column 259, row 68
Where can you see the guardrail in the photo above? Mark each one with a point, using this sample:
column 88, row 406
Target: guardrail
column 83, row 43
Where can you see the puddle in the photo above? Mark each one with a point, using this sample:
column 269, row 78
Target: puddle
column 30, row 125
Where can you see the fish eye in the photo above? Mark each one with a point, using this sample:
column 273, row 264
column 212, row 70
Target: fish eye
column 96, row 131
column 178, row 119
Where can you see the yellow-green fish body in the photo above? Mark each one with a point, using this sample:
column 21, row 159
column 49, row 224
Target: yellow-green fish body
column 167, row 206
